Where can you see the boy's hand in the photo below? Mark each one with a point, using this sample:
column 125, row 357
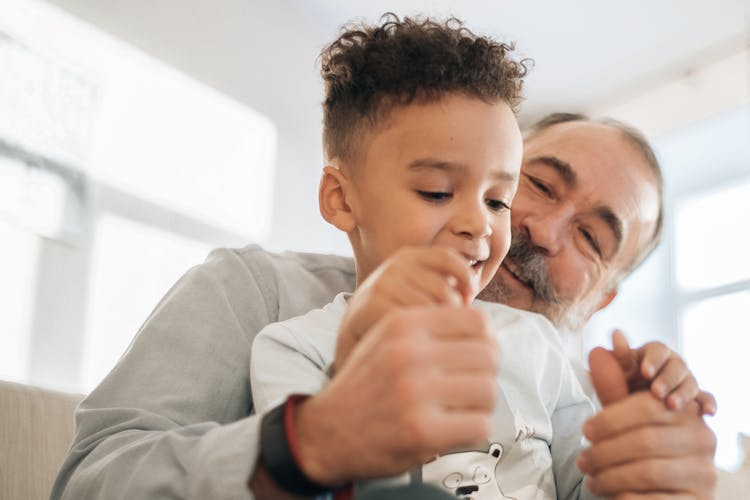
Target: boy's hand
column 416, row 276
column 657, row 368
column 639, row 447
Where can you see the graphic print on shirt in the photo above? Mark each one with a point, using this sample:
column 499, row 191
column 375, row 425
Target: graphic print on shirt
column 469, row 475
column 508, row 467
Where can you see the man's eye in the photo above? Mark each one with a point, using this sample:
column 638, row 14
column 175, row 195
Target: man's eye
column 434, row 195
column 540, row 186
column 497, row 205
column 591, row 241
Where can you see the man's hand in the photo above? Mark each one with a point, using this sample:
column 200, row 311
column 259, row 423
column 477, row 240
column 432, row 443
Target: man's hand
column 640, row 448
column 417, row 276
column 423, row 380
column 655, row 367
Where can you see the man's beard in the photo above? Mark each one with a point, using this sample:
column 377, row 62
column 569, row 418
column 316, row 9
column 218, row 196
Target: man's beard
column 530, row 267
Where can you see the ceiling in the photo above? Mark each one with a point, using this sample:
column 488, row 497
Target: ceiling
column 587, row 53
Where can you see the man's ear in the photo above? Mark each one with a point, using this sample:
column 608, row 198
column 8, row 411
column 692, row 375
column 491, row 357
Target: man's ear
column 333, row 194
column 607, row 299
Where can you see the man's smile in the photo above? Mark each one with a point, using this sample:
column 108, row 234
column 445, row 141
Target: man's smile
column 516, row 274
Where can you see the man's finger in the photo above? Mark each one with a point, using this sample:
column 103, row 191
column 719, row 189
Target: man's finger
column 652, row 496
column 637, row 410
column 469, row 392
column 607, row 376
column 687, row 475
column 454, row 322
column 453, row 429
column 644, row 443
column 456, row 355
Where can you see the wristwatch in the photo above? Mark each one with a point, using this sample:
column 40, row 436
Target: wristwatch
column 278, row 450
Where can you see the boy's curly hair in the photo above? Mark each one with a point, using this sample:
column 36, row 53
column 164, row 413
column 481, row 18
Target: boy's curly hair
column 369, row 69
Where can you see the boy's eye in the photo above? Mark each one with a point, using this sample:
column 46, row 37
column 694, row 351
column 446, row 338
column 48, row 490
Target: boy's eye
column 434, row 195
column 497, row 205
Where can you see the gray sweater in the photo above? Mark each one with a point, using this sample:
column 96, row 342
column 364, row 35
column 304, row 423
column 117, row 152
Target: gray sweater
column 172, row 419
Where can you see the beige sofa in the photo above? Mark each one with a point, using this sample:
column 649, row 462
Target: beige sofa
column 36, row 429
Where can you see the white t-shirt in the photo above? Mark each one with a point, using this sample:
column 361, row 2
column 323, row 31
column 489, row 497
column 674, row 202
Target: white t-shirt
column 536, row 433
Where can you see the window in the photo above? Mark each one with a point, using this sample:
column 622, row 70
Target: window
column 716, row 343
column 712, row 271
column 132, row 267
column 117, row 174
column 713, row 239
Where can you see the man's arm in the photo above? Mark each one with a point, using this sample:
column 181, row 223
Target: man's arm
column 171, row 419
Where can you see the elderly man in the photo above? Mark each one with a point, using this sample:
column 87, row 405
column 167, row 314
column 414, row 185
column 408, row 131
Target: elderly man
column 173, row 419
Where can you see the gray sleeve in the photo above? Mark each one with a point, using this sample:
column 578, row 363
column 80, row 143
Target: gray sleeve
column 280, row 366
column 172, row 418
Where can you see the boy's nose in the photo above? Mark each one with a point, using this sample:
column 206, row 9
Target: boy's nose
column 472, row 222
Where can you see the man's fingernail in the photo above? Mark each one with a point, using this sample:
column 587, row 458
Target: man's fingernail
column 649, row 369
column 676, row 401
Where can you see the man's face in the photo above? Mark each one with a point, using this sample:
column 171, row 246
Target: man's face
column 586, row 205
column 437, row 174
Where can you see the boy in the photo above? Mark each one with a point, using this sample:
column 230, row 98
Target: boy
column 423, row 155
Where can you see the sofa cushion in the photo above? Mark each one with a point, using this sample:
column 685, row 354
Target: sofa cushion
column 36, row 430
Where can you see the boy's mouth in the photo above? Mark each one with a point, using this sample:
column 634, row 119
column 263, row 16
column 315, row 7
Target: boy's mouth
column 476, row 264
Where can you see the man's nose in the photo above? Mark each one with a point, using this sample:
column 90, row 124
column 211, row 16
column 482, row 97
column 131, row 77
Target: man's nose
column 548, row 230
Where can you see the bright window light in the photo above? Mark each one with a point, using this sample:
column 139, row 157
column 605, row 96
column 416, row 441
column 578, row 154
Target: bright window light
column 125, row 125
column 32, row 198
column 18, row 271
column 712, row 239
column 145, row 128
column 133, row 266
column 716, row 345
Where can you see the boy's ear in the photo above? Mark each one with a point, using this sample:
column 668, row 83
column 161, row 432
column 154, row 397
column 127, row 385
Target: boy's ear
column 332, row 199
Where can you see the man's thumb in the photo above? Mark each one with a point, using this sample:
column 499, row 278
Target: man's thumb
column 607, row 376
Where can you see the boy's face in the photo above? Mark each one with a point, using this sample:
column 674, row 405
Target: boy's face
column 442, row 173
